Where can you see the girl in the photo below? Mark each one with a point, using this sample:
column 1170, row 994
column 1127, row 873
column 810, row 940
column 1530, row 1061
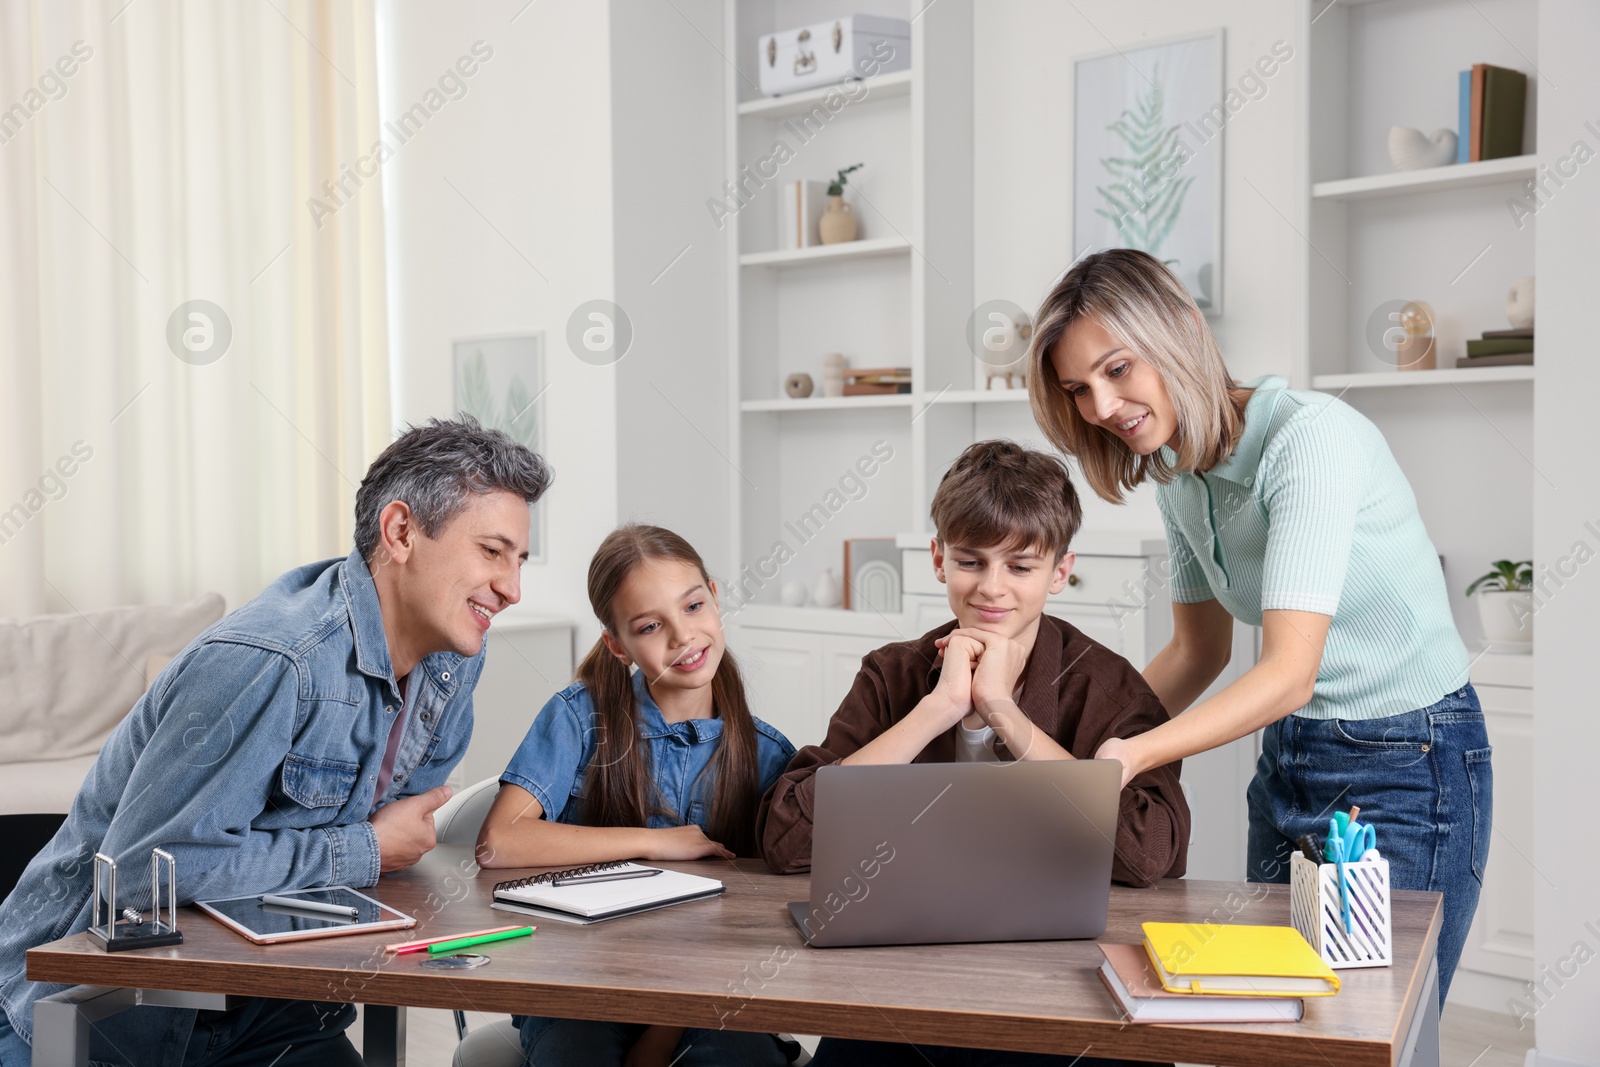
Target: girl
column 1285, row 509
column 660, row 763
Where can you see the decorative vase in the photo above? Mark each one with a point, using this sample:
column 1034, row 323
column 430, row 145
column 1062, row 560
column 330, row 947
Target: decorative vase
column 798, row 386
column 1507, row 619
column 838, row 222
column 1411, row 149
column 1519, row 303
column 794, row 593
column 825, row 593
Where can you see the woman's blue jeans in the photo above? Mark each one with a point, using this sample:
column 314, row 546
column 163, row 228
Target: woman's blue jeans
column 1422, row 778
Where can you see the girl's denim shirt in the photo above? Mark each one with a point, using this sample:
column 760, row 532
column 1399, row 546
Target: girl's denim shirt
column 553, row 759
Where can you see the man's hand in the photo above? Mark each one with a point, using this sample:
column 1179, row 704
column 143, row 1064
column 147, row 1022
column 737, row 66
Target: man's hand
column 1000, row 664
column 405, row 828
column 1123, row 751
column 954, row 690
column 654, row 1047
column 683, row 843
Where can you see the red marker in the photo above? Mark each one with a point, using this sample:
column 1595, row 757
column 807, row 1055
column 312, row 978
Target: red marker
column 420, row 946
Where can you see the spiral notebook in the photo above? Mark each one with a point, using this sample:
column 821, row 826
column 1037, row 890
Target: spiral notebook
column 601, row 891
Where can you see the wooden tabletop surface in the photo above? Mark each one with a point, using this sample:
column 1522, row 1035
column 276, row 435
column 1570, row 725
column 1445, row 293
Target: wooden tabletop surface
column 736, row 961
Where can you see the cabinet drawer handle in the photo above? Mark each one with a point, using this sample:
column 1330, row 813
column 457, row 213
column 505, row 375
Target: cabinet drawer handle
column 1073, row 579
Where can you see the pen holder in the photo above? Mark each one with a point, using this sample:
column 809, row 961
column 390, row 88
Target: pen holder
column 1316, row 910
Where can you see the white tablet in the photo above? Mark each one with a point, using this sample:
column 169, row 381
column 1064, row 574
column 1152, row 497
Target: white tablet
column 269, row 924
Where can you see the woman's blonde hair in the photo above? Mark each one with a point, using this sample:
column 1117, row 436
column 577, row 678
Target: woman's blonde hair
column 1148, row 309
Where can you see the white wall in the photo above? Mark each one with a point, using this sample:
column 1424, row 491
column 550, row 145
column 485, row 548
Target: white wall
column 1022, row 152
column 522, row 238
column 1567, row 511
column 667, row 157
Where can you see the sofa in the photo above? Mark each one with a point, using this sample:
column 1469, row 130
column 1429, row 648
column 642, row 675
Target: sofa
column 68, row 680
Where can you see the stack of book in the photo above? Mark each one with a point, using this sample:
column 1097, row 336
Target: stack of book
column 1500, row 348
column 1201, row 972
column 876, row 381
column 1492, row 102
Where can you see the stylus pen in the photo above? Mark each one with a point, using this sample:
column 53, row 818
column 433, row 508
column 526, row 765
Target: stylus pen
column 585, row 879
column 310, row 905
column 417, row 946
column 483, row 939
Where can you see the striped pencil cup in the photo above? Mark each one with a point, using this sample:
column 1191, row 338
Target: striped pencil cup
column 1317, row 912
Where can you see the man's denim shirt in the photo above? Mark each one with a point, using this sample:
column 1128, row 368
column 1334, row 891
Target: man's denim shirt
column 253, row 759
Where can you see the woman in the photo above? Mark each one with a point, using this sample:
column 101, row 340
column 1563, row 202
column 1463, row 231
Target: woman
column 1287, row 510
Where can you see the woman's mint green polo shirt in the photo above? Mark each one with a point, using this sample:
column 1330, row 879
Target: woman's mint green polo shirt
column 1312, row 513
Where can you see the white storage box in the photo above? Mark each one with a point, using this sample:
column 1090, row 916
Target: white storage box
column 826, row 53
column 1316, row 910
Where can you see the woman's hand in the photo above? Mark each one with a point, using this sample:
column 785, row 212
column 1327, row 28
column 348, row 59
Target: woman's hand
column 683, row 843
column 1124, row 751
column 654, row 1047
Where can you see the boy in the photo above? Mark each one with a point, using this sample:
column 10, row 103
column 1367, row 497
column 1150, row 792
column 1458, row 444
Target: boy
column 1004, row 680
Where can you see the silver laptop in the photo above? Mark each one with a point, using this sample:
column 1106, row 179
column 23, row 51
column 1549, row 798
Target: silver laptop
column 935, row 853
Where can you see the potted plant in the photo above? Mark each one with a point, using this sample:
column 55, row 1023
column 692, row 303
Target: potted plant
column 1505, row 603
column 838, row 222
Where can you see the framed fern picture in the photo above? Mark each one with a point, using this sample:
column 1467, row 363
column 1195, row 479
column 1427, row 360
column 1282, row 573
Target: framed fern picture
column 500, row 382
column 1147, row 157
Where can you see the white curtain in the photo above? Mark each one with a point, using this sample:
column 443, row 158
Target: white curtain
column 156, row 153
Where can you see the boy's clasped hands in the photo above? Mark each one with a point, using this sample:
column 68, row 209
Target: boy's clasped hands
column 978, row 679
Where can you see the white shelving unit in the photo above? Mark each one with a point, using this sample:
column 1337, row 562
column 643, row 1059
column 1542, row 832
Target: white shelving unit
column 1428, row 180
column 1443, row 235
column 796, row 257
column 1392, row 379
column 897, row 296
column 828, row 403
column 885, row 86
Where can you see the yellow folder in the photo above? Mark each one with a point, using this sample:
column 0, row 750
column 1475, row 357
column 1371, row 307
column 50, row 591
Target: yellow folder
column 1245, row 961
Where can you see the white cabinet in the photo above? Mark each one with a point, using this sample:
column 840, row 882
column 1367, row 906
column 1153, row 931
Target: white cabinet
column 783, row 679
column 529, row 661
column 1498, row 956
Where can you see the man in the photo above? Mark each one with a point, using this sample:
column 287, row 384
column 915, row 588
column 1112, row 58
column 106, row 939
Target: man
column 302, row 741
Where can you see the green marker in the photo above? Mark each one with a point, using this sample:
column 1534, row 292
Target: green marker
column 468, row 942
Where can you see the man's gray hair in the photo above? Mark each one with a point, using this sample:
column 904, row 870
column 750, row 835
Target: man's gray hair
column 432, row 468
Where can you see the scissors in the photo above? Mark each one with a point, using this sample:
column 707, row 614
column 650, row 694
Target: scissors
column 1348, row 842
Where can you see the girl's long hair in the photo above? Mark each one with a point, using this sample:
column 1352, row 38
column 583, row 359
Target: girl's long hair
column 619, row 786
column 1147, row 308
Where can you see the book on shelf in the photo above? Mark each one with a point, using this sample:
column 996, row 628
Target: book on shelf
column 1509, row 359
column 1127, row 973
column 803, row 202
column 1520, row 331
column 1498, row 346
column 1505, row 94
column 878, row 372
column 1464, row 118
column 1475, row 115
column 875, row 388
column 1499, row 96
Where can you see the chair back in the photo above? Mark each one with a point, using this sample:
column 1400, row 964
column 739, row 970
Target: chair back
column 458, row 821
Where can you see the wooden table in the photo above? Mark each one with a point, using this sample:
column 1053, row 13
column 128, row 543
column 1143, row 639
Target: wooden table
column 736, row 961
